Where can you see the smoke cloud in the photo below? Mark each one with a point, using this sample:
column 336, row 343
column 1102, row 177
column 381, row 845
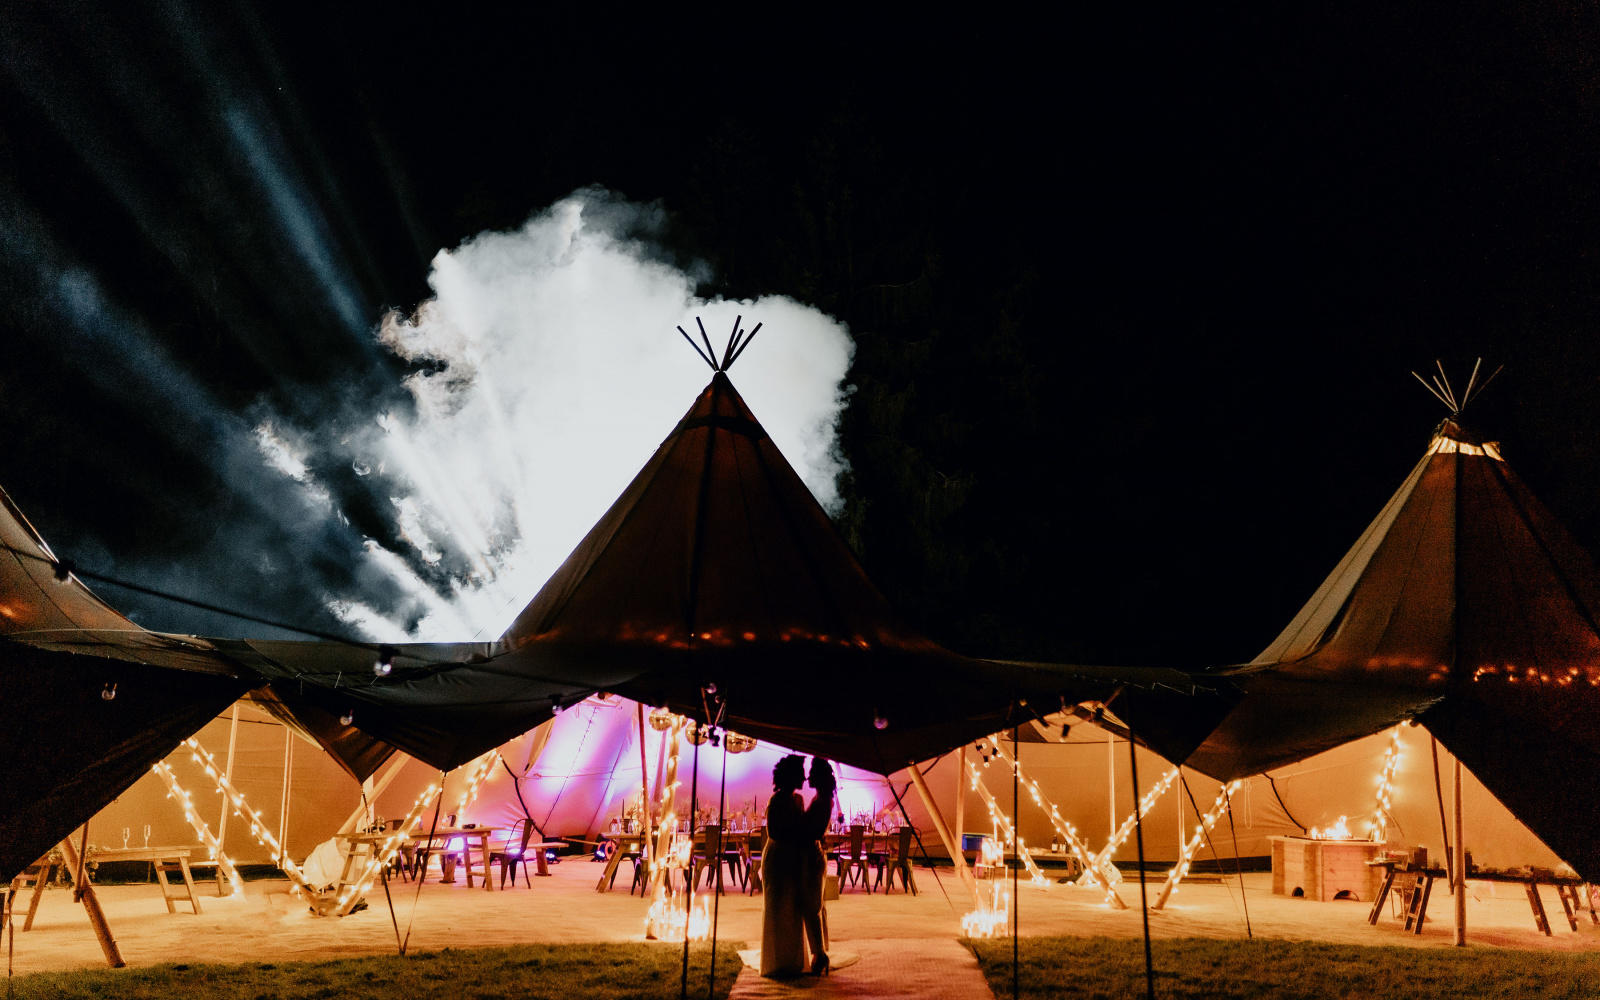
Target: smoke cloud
column 544, row 372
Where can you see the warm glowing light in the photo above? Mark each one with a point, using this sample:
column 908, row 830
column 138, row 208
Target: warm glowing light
column 1378, row 826
column 671, row 919
column 1339, row 829
column 1004, row 828
column 989, row 919
column 1186, row 855
column 1092, row 875
column 202, row 829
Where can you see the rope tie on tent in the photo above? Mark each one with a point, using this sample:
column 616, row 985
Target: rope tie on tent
column 1444, row 826
column 1138, row 831
column 1206, row 832
column 438, row 803
column 366, row 807
column 1016, row 854
column 916, row 835
column 716, row 900
column 1282, row 804
column 1238, row 865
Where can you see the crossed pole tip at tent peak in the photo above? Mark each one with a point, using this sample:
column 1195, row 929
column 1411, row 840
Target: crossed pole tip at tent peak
column 738, row 340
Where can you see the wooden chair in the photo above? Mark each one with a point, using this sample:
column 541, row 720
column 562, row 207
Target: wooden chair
column 854, row 859
column 900, row 862
column 513, row 853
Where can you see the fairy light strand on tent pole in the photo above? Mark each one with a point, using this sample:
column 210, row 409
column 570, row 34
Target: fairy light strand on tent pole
column 258, row 829
column 382, row 855
column 201, row 828
column 1186, row 856
column 1003, row 822
column 1146, row 803
column 666, row 920
column 1378, row 827
column 1068, row 832
column 478, row 772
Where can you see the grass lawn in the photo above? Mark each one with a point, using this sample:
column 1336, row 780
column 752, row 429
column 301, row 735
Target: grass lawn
column 524, row 972
column 1105, row 968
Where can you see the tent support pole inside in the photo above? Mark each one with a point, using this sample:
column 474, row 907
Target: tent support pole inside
column 1459, row 863
column 943, row 829
column 91, row 905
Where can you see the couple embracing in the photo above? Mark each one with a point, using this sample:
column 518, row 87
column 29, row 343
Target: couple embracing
column 792, row 867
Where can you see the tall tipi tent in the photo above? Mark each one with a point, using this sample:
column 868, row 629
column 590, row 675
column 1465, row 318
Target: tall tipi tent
column 717, row 569
column 1465, row 606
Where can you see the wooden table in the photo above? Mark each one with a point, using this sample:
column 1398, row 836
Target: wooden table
column 167, row 861
column 444, row 835
column 1417, row 886
column 625, row 843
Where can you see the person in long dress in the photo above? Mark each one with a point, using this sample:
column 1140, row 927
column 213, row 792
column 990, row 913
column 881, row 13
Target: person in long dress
column 792, row 860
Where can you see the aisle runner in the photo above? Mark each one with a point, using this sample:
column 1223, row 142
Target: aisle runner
column 888, row 968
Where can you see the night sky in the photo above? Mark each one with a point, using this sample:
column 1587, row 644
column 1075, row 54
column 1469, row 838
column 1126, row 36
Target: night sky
column 1135, row 297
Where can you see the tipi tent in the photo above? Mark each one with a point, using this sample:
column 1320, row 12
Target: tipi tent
column 1466, row 607
column 91, row 699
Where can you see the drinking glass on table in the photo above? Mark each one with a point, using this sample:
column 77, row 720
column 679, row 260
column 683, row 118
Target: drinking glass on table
column 125, row 833
column 147, row 835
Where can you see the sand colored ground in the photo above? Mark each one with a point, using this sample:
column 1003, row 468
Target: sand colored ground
column 267, row 924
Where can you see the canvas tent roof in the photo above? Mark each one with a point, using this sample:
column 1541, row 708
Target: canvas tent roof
column 70, row 750
column 1464, row 605
column 716, row 565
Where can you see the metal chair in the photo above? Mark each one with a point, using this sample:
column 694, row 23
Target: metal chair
column 513, row 853
column 900, row 862
column 854, row 859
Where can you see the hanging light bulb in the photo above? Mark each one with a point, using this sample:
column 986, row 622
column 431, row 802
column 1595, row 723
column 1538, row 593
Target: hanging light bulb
column 348, row 718
column 879, row 721
column 385, row 664
column 108, row 692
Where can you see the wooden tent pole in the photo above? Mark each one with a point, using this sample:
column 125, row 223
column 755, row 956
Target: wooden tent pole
column 283, row 796
column 950, row 843
column 1111, row 785
column 961, row 791
column 389, row 773
column 227, row 771
column 644, row 786
column 84, row 892
column 1459, row 863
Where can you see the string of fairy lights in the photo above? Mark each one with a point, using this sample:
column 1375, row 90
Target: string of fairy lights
column 258, row 829
column 202, row 829
column 1378, row 826
column 1068, row 832
column 668, row 918
column 1186, row 855
column 381, row 857
column 1004, row 829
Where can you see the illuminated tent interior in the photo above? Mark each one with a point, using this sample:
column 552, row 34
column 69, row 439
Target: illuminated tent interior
column 748, row 573
column 1464, row 606
column 709, row 586
column 579, row 771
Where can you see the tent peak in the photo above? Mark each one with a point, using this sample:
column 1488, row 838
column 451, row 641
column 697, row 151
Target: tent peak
column 1439, row 386
column 738, row 340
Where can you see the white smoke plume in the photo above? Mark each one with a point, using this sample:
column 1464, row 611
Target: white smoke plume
column 548, row 371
